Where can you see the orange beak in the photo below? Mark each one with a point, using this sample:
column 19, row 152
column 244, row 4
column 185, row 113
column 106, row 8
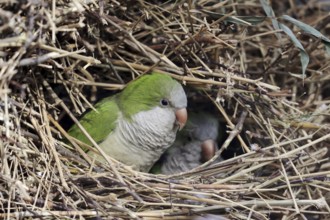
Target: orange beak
column 181, row 117
column 208, row 149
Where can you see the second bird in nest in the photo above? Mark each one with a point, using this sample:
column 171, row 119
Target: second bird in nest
column 194, row 145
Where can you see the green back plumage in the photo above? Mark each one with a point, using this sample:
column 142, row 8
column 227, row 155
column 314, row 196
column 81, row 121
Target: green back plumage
column 98, row 123
column 140, row 95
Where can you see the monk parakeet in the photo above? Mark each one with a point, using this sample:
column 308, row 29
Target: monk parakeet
column 195, row 144
column 138, row 124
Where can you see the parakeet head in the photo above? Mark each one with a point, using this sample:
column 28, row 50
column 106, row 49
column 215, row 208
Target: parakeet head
column 150, row 91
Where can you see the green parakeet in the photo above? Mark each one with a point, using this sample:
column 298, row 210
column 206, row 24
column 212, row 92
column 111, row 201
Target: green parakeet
column 195, row 144
column 138, row 124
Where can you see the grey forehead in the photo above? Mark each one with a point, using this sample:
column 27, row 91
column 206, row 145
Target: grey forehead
column 178, row 97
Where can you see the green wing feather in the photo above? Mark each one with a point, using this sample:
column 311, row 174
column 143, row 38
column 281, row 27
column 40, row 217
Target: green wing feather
column 99, row 124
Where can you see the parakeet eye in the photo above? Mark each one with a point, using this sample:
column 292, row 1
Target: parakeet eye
column 164, row 102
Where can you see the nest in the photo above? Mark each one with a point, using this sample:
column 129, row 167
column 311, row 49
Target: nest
column 58, row 57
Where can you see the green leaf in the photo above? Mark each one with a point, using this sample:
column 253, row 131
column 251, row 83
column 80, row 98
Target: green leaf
column 327, row 47
column 270, row 13
column 310, row 30
column 304, row 58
